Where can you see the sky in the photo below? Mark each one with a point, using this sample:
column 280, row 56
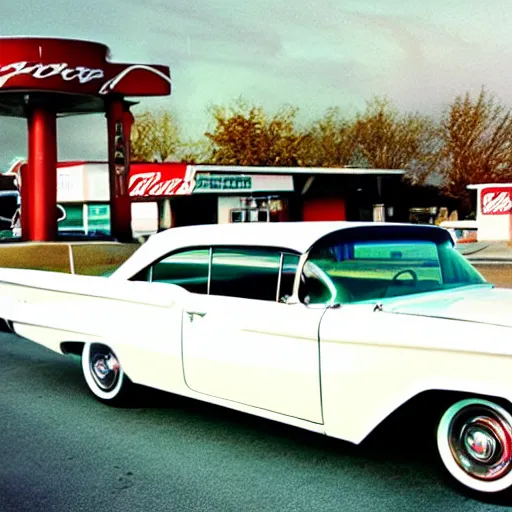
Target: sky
column 313, row 55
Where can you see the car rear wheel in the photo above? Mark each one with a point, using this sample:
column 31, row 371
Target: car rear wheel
column 104, row 375
column 474, row 439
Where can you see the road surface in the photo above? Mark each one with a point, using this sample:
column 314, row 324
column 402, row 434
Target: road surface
column 498, row 274
column 61, row 450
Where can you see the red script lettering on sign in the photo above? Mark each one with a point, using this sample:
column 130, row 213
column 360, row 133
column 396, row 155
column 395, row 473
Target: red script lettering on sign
column 158, row 180
column 496, row 201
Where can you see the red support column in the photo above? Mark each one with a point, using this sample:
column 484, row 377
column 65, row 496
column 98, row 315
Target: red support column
column 25, row 202
column 41, row 185
column 119, row 121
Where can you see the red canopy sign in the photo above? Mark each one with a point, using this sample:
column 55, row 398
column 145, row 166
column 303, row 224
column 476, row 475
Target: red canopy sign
column 78, row 75
column 496, row 201
column 159, row 180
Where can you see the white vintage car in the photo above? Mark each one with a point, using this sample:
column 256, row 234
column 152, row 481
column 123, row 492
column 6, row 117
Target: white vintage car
column 328, row 326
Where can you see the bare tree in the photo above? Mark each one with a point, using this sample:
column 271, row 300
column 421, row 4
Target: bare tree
column 194, row 151
column 246, row 135
column 155, row 136
column 477, row 137
column 387, row 139
column 331, row 141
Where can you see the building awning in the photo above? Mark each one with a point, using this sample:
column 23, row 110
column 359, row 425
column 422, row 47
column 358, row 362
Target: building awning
column 224, row 183
column 241, row 169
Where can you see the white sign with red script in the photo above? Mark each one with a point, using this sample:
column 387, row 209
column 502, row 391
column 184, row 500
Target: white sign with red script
column 168, row 180
column 496, row 201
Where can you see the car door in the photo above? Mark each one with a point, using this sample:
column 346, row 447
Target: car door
column 188, row 269
column 241, row 343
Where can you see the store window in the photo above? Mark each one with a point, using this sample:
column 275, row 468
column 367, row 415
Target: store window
column 259, row 209
column 74, row 220
column 86, row 218
column 98, row 218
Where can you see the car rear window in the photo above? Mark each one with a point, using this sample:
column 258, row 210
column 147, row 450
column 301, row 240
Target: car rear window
column 353, row 271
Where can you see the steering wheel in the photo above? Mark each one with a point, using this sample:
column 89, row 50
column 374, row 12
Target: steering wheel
column 406, row 271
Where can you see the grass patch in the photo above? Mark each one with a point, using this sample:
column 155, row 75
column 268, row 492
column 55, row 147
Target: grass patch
column 90, row 258
column 97, row 259
column 53, row 257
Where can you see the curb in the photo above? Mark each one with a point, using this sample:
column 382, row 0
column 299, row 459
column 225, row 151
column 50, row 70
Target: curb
column 474, row 251
column 490, row 261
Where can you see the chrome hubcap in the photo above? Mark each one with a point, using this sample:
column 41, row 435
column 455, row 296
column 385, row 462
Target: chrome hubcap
column 105, row 368
column 481, row 442
column 480, row 445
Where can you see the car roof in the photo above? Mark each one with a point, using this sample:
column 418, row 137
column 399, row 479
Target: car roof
column 297, row 236
column 294, row 236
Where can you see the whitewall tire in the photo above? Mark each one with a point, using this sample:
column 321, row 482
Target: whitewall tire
column 104, row 375
column 474, row 439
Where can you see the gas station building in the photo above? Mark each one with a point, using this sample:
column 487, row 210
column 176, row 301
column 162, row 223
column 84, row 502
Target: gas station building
column 164, row 195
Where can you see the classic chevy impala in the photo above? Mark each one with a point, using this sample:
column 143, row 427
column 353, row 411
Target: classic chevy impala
column 331, row 327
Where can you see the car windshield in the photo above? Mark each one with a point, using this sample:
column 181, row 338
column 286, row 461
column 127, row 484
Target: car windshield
column 355, row 271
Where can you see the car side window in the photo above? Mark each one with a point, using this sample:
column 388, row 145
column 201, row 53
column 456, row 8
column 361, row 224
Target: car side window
column 250, row 273
column 188, row 269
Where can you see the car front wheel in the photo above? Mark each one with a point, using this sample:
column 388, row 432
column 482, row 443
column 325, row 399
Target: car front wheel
column 474, row 439
column 104, row 375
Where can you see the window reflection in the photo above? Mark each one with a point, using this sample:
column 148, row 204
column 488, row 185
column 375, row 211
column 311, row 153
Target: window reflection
column 353, row 271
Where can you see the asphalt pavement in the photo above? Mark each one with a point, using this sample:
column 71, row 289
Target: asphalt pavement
column 487, row 252
column 61, row 450
column 492, row 259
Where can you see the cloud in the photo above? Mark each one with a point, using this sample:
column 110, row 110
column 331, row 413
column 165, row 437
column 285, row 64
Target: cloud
column 313, row 55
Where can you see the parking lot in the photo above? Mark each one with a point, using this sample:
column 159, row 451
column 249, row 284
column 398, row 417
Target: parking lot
column 498, row 274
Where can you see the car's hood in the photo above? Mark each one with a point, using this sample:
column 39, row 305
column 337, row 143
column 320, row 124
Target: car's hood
column 483, row 304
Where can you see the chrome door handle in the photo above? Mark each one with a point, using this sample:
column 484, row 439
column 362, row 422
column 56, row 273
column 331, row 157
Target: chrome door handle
column 191, row 314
